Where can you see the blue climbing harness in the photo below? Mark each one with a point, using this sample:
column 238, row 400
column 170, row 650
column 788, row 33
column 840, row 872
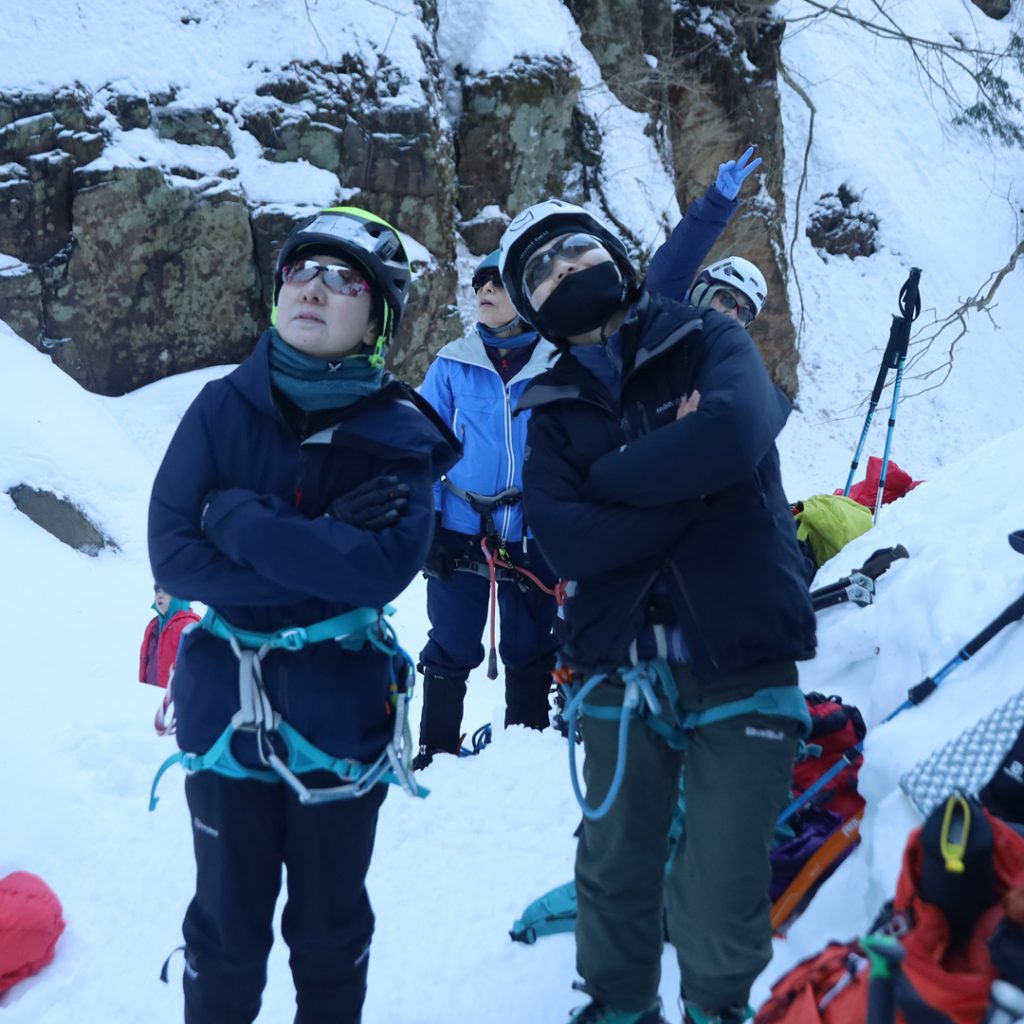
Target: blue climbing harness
column 640, row 700
column 256, row 715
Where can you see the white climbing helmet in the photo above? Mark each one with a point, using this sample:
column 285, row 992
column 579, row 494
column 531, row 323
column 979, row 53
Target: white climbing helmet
column 537, row 225
column 735, row 273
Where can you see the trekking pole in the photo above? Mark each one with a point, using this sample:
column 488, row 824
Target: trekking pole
column 894, row 357
column 899, row 339
column 1011, row 613
column 916, row 694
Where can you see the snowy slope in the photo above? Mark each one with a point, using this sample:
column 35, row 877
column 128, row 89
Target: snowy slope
column 452, row 872
column 948, row 201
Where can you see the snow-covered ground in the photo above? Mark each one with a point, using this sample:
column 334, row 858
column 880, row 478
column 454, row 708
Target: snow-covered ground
column 451, row 873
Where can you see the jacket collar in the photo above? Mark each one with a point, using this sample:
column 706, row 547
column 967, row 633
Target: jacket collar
column 653, row 325
column 470, row 350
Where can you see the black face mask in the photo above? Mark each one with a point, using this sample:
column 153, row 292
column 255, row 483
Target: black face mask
column 582, row 302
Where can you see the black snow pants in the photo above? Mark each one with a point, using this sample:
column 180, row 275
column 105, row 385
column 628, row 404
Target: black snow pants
column 243, row 832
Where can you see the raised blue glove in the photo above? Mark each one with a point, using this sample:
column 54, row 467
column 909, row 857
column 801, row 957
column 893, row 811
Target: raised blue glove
column 732, row 173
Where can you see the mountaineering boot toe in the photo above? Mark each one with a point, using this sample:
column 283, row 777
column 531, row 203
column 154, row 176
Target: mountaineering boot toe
column 737, row 1013
column 598, row 1013
column 422, row 759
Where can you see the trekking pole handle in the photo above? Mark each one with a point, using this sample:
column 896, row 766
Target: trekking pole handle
column 1011, row 613
column 880, row 562
column 910, row 295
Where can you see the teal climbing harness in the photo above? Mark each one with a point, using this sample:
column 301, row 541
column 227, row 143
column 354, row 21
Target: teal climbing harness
column 256, row 715
column 640, row 700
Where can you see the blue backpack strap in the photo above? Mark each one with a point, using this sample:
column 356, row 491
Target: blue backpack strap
column 549, row 914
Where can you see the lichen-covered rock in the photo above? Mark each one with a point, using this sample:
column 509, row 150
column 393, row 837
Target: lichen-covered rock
column 193, row 127
column 161, row 280
column 126, row 269
column 21, row 297
column 723, row 97
column 997, row 9
column 516, row 136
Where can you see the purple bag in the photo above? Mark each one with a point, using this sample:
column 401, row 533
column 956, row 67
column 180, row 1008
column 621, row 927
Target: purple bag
column 816, row 824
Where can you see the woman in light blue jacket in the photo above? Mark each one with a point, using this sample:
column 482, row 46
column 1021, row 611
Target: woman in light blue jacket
column 475, row 383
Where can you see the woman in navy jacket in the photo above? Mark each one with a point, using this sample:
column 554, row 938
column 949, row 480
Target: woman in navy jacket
column 296, row 489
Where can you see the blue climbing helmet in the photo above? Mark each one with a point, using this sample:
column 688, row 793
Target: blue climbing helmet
column 373, row 245
column 487, row 270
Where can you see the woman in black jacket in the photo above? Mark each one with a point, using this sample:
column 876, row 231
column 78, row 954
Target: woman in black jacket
column 652, row 483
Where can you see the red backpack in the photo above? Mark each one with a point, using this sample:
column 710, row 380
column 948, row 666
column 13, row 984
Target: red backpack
column 835, row 728
column 936, row 984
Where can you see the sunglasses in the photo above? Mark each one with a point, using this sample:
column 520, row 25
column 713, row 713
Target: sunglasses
column 488, row 276
column 744, row 313
column 340, row 280
column 568, row 249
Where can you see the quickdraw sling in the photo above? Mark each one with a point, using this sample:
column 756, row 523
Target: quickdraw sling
column 640, row 700
column 256, row 715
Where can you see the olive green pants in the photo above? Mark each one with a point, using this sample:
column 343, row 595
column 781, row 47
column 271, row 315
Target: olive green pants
column 738, row 773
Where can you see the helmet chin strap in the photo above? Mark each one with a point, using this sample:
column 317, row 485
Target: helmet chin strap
column 377, row 355
column 514, row 326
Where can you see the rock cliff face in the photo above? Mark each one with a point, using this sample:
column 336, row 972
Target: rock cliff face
column 133, row 247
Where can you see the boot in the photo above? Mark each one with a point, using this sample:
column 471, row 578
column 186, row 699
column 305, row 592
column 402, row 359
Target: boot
column 526, row 695
column 598, row 1013
column 440, row 717
column 737, row 1013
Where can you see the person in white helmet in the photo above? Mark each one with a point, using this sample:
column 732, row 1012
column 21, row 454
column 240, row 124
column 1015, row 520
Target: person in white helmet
column 733, row 286
column 652, row 484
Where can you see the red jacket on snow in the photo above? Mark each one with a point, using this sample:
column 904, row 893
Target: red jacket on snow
column 166, row 645
column 30, row 924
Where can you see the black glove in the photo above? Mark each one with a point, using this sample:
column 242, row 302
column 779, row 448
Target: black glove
column 374, row 505
column 440, row 561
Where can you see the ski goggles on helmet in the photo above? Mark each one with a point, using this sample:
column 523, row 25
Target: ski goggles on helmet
column 340, row 280
column 578, row 247
column 744, row 313
column 489, row 275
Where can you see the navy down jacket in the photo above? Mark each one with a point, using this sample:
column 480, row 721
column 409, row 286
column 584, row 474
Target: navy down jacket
column 632, row 504
column 266, row 555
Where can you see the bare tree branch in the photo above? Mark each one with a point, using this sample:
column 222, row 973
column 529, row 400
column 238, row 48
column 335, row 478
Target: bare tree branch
column 801, row 92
